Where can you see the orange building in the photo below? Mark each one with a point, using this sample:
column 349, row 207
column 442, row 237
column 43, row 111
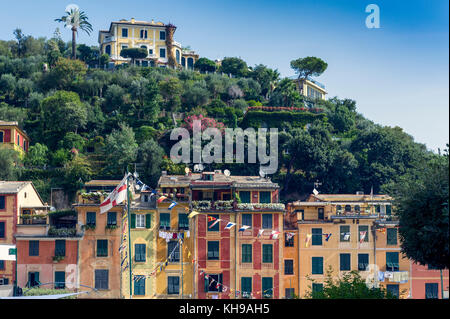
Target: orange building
column 14, row 137
column 427, row 282
column 99, row 257
column 347, row 232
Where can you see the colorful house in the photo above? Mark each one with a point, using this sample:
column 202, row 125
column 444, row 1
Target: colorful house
column 348, row 232
column 427, row 282
column 21, row 208
column 12, row 136
column 99, row 257
column 155, row 37
column 238, row 243
column 175, row 239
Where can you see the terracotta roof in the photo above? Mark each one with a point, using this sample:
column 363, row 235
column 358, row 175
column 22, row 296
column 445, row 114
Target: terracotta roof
column 95, row 182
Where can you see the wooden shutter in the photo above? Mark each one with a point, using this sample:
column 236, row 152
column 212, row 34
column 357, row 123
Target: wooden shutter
column 133, row 221
column 148, row 220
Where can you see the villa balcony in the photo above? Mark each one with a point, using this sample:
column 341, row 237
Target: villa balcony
column 92, row 198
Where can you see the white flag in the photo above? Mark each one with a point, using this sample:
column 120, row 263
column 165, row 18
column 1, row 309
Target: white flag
column 117, row 196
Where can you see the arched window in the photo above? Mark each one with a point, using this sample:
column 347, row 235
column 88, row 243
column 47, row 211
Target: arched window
column 183, row 61
column 357, row 208
column 348, row 208
column 108, row 49
column 178, row 56
column 190, row 62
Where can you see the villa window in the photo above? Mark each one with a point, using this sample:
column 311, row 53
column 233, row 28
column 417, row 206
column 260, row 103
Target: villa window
column 162, row 35
column 267, row 221
column 1, row 136
column 164, row 221
column 162, row 52
column 108, row 49
column 244, row 196
column 124, row 33
column 267, row 287
column 247, row 219
column 289, row 267
column 246, row 286
column 140, row 221
column 183, row 221
column 211, row 283
column 264, row 197
column 391, row 236
column 216, row 226
column 178, row 56
column 112, row 219
column 267, row 253
column 143, row 34
column 33, row 248
column 345, row 262
column 2, row 229
column 344, row 233
column 139, row 252
column 60, row 280
column 90, row 218
column 363, row 262
column 316, row 236
column 392, row 261
column 60, row 247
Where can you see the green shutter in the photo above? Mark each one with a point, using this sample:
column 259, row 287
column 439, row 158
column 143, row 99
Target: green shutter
column 36, row 277
column 148, row 220
column 133, row 221
column 244, row 196
column 206, row 284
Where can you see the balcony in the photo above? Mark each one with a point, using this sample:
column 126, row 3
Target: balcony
column 227, row 205
column 92, row 197
column 33, row 220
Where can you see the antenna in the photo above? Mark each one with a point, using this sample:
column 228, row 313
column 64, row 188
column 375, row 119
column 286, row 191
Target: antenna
column 226, row 172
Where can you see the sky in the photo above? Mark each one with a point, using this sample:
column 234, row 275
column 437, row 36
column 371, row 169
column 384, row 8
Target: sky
column 398, row 74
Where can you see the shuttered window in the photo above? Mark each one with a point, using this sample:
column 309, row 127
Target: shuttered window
column 288, row 267
column 247, row 219
column 2, row 202
column 391, row 236
column 246, row 253
column 316, row 236
column 244, row 196
column 60, row 247
column 392, row 261
column 267, row 253
column 210, row 223
column 102, row 248
column 267, row 287
column 344, row 262
column 2, row 228
column 112, row 218
column 164, row 221
column 431, row 291
column 246, row 287
column 344, row 233
column 393, row 289
column 90, row 218
column 363, row 262
column 60, row 280
column 264, row 198
column 317, row 265
column 173, row 285
column 33, row 248
column 267, row 221
column 148, row 221
column 212, row 281
column 173, row 251
column 183, row 221
column 101, row 279
column 139, row 252
column 139, row 286
column 213, row 250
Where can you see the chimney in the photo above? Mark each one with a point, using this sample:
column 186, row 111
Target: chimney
column 132, row 20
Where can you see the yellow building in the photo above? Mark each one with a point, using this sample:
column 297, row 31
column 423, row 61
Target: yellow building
column 13, row 137
column 310, row 88
column 155, row 37
column 348, row 232
column 174, row 242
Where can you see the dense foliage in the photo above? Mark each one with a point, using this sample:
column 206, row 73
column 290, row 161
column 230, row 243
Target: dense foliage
column 87, row 122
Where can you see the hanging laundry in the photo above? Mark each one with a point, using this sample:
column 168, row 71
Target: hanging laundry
column 388, row 274
column 244, row 227
column 188, row 233
column 362, row 235
column 274, row 234
column 230, row 225
column 307, row 239
column 260, row 232
column 381, row 276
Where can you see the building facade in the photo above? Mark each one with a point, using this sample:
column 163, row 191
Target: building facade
column 155, row 37
column 427, row 282
column 310, row 88
column 13, row 137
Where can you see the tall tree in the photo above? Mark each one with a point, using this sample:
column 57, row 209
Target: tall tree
column 309, row 66
column 134, row 54
column 76, row 19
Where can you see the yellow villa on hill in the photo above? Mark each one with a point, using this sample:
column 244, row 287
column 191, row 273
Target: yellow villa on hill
column 155, row 37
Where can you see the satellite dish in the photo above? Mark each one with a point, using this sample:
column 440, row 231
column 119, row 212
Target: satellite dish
column 186, row 170
column 226, row 172
column 261, row 173
column 196, row 169
column 201, row 167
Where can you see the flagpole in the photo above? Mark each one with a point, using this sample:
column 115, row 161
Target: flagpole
column 129, row 236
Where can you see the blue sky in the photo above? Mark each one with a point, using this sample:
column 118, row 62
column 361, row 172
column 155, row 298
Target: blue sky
column 398, row 74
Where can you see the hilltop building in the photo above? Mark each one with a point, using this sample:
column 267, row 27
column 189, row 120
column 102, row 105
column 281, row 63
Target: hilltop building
column 12, row 136
column 155, row 37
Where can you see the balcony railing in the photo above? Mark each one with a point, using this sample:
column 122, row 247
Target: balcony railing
column 33, row 220
column 92, row 198
column 205, row 205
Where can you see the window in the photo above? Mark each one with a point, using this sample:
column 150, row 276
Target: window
column 173, row 285
column 267, row 253
column 177, row 54
column 393, row 289
column 212, row 286
column 316, row 236
column 183, row 221
column 112, row 219
column 1, row 136
column 344, row 233
column 108, row 49
column 267, row 221
column 139, row 285
column 246, row 287
column 140, row 221
column 101, row 279
column 320, row 213
column 190, row 63
column 267, row 287
column 244, row 196
column 162, row 52
column 124, row 33
column 143, row 34
column 173, row 251
column 338, row 209
column 344, row 262
column 60, row 280
column 91, row 218
column 148, row 221
column 246, row 253
column 348, row 208
column 392, row 261
column 317, row 265
column 264, row 197
column 247, row 219
column 288, row 242
column 33, row 248
column 391, row 236
column 357, row 209
column 213, row 250
column 102, row 248
column 2, row 264
column 216, row 226
column 60, row 247
column 2, row 229
column 377, row 208
column 2, row 202
column 164, row 221
column 431, row 291
column 139, row 252
column 288, row 267
column 363, row 262
column 289, row 293
column 317, row 288
column 162, row 35
column 388, row 210
column 362, row 229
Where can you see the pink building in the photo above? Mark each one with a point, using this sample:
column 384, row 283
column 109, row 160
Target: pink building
column 426, row 282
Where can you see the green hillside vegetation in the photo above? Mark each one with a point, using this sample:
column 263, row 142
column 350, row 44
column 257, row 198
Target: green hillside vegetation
column 87, row 122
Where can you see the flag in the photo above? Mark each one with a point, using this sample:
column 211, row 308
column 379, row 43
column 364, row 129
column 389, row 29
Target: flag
column 193, row 213
column 8, row 252
column 315, row 192
column 210, row 218
column 172, row 205
column 161, row 199
column 308, row 238
column 117, row 196
column 260, row 232
column 289, row 235
column 218, row 285
column 274, row 234
column 362, row 235
column 212, row 225
column 327, row 236
column 346, row 236
column 230, row 225
column 244, row 227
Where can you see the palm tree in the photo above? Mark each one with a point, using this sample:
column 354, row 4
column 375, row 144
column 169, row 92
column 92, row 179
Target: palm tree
column 76, row 19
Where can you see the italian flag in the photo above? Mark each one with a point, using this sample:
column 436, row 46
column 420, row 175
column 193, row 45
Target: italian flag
column 117, row 196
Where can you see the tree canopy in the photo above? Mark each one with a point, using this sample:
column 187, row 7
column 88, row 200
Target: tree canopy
column 309, row 66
